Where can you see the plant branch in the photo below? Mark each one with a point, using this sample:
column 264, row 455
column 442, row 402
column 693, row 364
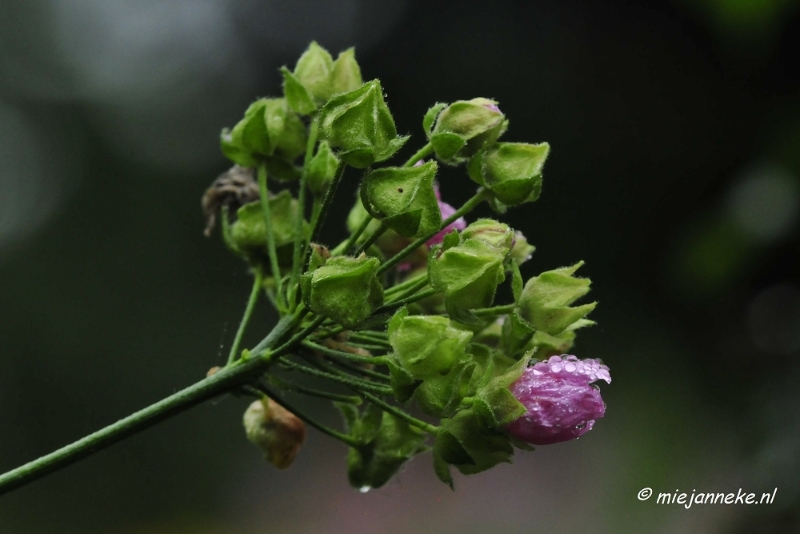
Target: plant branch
column 248, row 312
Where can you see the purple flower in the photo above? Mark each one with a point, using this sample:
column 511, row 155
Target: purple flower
column 561, row 404
column 447, row 210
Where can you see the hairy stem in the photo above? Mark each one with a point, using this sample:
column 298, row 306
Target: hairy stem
column 271, row 248
column 300, row 243
column 419, row 154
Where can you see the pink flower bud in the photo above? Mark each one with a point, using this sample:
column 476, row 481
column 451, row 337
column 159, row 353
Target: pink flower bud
column 561, row 404
column 447, row 210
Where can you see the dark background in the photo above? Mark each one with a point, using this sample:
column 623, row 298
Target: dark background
column 675, row 133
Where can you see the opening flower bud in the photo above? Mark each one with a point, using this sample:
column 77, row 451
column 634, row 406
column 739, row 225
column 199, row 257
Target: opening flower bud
column 346, row 74
column 560, row 403
column 466, row 126
column 276, row 431
column 493, row 233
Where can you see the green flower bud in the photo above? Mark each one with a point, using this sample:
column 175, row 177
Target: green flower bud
column 426, row 345
column 468, row 443
column 545, row 300
column 544, row 345
column 276, row 431
column 345, row 289
column 466, row 126
column 521, row 251
column 322, row 169
column 493, row 233
column 386, row 444
column 511, row 171
column 346, row 74
column 249, row 233
column 313, row 71
column 359, row 122
column 403, row 198
column 268, row 130
column 468, row 274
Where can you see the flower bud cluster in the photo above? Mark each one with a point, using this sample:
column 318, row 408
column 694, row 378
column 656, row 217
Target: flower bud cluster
column 411, row 293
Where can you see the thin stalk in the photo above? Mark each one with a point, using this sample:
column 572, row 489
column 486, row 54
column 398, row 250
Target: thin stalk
column 248, row 312
column 344, row 438
column 271, row 248
column 405, row 284
column 344, row 248
column 221, row 382
column 354, row 367
column 413, row 298
column 377, row 360
column 371, row 239
column 316, row 221
column 367, row 346
column 300, row 239
column 466, row 208
column 400, row 414
column 357, row 383
column 408, row 291
column 338, row 397
column 421, row 153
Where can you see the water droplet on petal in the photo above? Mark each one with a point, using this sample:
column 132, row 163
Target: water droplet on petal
column 364, row 489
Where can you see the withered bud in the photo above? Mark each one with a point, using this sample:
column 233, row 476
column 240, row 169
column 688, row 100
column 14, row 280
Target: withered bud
column 275, row 430
column 233, row 188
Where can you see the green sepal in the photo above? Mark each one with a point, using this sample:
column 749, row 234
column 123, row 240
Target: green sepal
column 442, row 470
column 287, row 134
column 466, row 126
column 314, row 70
column 440, row 395
column 468, row 274
column 282, row 170
column 345, row 289
column 521, row 251
column 516, row 335
column 511, row 171
column 545, row 345
column 545, row 300
column 249, row 235
column 245, row 142
column 359, row 122
column 386, row 442
column 298, row 97
column 426, row 345
column 485, row 446
column 322, row 169
column 516, row 280
column 446, row 145
column 403, row 384
column 430, row 117
column 497, row 235
column 346, row 74
column 403, row 198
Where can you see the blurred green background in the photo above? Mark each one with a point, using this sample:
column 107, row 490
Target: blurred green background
column 675, row 128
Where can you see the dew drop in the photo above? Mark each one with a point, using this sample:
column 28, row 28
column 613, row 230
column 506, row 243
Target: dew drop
column 364, row 489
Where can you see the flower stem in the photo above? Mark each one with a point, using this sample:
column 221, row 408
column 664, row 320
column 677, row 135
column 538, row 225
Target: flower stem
column 248, row 312
column 338, row 397
column 271, row 248
column 344, row 355
column 318, row 217
column 400, row 414
column 466, row 208
column 371, row 239
column 413, row 298
column 345, row 248
column 355, row 383
column 300, row 243
column 221, row 382
column 421, row 153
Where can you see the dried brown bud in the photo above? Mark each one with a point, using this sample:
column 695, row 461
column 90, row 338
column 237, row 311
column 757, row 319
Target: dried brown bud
column 233, row 188
column 275, row 430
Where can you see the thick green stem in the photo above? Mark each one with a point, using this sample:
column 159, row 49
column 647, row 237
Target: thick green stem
column 221, row 382
column 421, row 153
column 466, row 208
column 248, row 312
column 271, row 248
